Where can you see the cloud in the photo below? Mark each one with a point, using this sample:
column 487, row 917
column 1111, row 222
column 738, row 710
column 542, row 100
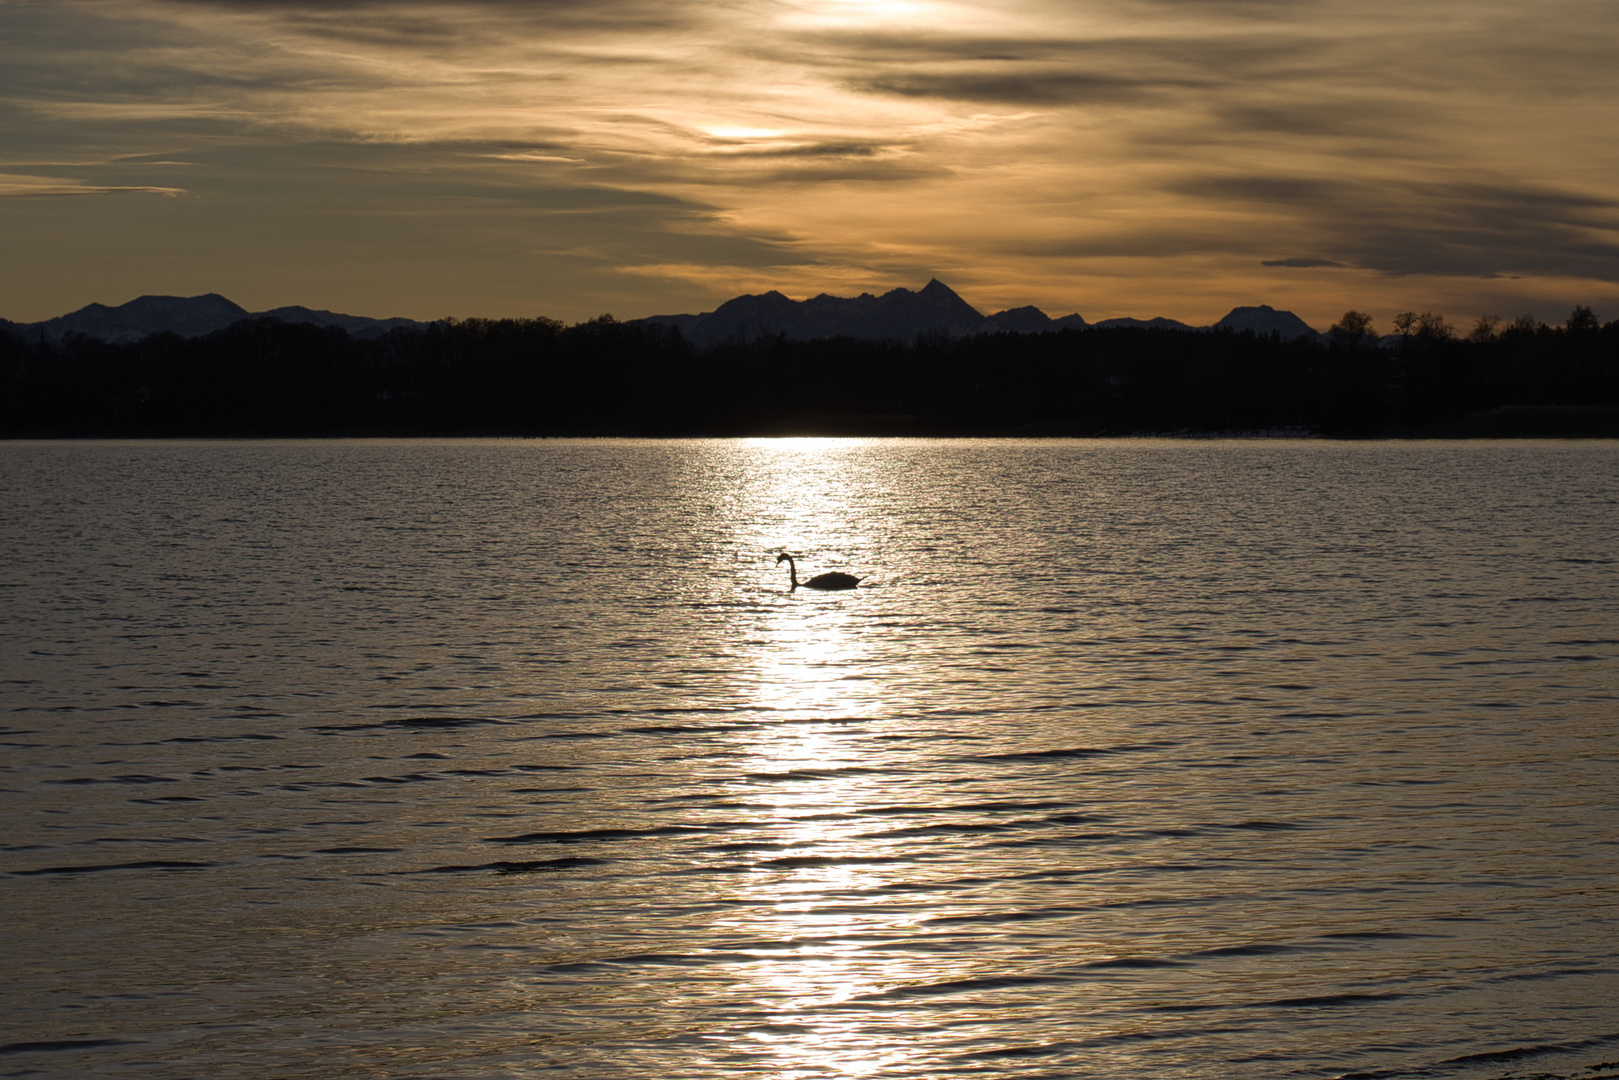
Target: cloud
column 1303, row 264
column 14, row 186
column 1129, row 145
column 1020, row 86
column 1468, row 228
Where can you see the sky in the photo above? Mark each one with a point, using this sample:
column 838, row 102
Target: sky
column 567, row 158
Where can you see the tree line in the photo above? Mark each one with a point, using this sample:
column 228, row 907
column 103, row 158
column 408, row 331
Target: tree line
column 602, row 377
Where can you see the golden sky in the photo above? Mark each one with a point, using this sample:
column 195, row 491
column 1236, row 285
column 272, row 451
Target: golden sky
column 562, row 158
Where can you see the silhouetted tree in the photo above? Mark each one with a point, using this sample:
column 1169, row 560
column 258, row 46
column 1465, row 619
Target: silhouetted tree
column 1433, row 325
column 1355, row 328
column 537, row 376
column 1485, row 329
column 1582, row 320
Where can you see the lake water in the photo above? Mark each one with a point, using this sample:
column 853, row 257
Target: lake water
column 1129, row 759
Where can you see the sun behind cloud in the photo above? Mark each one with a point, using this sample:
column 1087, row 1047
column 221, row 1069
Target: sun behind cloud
column 1121, row 157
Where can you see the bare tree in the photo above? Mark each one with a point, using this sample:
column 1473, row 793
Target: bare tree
column 1433, row 326
column 1488, row 328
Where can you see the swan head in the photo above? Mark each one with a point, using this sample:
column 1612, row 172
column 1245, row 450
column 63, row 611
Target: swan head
column 783, row 557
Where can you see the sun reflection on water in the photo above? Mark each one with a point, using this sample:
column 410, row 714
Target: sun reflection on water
column 805, row 497
column 823, row 916
column 817, row 917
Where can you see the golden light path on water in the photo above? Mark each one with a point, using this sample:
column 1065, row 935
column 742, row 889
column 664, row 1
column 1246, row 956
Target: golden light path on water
column 811, row 670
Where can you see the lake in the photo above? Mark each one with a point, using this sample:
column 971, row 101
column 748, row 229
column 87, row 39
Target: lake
column 1128, row 759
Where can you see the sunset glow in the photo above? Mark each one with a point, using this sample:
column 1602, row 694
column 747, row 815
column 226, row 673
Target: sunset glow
column 1124, row 157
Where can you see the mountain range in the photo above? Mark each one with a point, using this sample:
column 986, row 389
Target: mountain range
column 187, row 316
column 900, row 315
column 896, row 315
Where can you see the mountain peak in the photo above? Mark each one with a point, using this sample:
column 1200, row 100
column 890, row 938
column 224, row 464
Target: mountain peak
column 156, row 302
column 1263, row 319
column 187, row 316
column 896, row 315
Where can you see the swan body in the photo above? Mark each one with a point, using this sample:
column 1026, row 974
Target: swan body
column 835, row 579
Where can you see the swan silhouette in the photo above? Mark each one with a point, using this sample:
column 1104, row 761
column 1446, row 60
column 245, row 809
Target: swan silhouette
column 834, row 580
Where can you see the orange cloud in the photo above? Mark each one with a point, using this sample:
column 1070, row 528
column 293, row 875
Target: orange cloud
column 1123, row 157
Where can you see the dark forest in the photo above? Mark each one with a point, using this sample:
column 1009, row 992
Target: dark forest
column 538, row 377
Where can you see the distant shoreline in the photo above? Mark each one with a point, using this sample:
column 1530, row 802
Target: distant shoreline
column 1450, row 433
column 272, row 379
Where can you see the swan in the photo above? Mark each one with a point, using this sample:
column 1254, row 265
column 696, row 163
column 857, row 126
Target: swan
column 834, row 580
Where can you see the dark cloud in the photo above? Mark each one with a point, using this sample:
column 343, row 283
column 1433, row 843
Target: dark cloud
column 1361, row 117
column 1053, row 71
column 1461, row 228
column 763, row 163
column 932, row 46
column 1269, row 10
column 749, row 148
column 380, row 28
column 1267, row 188
column 433, row 24
column 850, row 171
column 443, row 11
column 1011, row 86
column 1302, row 264
column 397, row 7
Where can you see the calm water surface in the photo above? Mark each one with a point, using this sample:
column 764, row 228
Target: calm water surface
column 510, row 759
